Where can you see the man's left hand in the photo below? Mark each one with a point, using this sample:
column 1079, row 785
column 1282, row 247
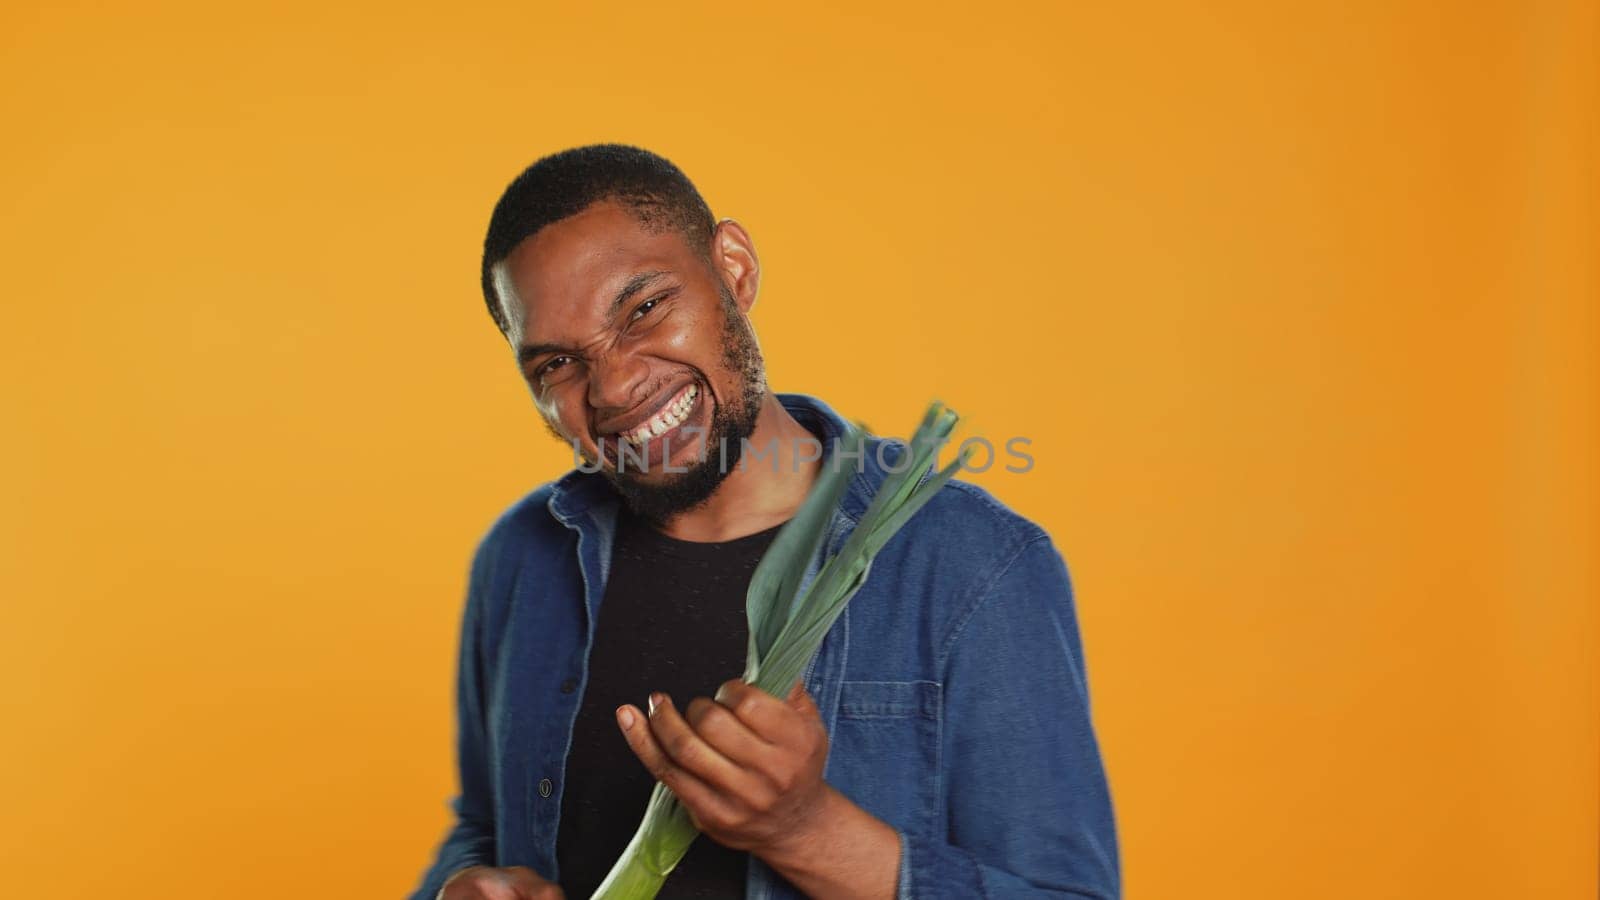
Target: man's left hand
column 747, row 766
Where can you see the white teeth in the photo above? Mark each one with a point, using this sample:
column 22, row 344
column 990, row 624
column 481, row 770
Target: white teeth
column 670, row 418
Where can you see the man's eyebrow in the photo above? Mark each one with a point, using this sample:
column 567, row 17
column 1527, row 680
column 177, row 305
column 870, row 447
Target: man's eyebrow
column 529, row 351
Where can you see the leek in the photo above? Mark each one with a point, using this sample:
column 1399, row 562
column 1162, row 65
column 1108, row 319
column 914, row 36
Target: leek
column 787, row 625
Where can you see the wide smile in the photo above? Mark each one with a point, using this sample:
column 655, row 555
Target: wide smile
column 671, row 414
column 647, row 443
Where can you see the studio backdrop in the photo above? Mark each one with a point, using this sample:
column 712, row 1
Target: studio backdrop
column 1294, row 304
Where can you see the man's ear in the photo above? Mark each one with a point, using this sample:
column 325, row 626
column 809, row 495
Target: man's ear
column 733, row 257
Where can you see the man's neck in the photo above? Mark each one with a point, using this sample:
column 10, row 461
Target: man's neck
column 764, row 489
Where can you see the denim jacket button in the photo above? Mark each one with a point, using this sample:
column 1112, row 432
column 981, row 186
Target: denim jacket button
column 544, row 787
column 569, row 685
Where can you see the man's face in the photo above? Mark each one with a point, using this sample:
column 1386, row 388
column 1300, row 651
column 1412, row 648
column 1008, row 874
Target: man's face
column 637, row 352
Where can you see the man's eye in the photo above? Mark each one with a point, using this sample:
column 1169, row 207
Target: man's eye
column 644, row 307
column 554, row 365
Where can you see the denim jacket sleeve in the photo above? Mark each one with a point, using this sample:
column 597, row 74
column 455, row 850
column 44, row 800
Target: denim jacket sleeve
column 1030, row 811
column 470, row 840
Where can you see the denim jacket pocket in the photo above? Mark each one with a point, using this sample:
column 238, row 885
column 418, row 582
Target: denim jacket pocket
column 885, row 749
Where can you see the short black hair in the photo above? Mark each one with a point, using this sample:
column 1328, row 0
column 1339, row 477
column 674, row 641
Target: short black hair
column 566, row 183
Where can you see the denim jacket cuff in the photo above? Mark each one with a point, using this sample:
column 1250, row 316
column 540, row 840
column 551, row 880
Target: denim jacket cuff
column 933, row 869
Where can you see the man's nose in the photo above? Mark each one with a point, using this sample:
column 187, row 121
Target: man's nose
column 615, row 380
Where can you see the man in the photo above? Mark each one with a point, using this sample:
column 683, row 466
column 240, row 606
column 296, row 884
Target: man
column 939, row 744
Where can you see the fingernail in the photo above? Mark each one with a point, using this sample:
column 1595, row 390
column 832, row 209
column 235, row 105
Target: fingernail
column 656, row 699
column 625, row 716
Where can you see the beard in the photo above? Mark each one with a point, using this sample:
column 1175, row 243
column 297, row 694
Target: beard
column 659, row 501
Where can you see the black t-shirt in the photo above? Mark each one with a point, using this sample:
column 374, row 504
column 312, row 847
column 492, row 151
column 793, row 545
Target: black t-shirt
column 672, row 619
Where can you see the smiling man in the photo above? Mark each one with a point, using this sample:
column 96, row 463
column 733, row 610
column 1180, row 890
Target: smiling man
column 939, row 744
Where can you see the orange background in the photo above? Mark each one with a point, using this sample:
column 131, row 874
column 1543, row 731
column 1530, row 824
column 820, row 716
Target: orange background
column 1296, row 302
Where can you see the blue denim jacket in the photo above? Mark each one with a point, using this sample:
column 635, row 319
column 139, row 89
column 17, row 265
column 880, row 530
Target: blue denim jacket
column 952, row 687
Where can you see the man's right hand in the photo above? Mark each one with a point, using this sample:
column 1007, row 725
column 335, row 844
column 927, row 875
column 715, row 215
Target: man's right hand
column 485, row 883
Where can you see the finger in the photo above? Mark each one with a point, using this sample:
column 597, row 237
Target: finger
column 702, row 801
column 800, row 700
column 774, row 720
column 691, row 752
column 718, row 726
column 529, row 886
